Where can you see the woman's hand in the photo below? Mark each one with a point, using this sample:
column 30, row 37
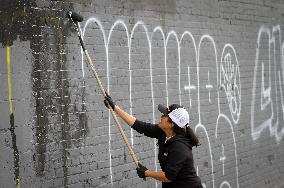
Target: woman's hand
column 108, row 101
column 141, row 171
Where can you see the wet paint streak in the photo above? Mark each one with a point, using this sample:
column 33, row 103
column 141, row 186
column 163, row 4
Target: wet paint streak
column 65, row 128
column 16, row 21
column 82, row 130
column 64, row 101
column 12, row 120
column 41, row 113
column 15, row 151
column 83, row 119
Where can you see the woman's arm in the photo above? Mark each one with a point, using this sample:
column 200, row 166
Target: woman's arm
column 127, row 118
column 157, row 175
column 147, row 129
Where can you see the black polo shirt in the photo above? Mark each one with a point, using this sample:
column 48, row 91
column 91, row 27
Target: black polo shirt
column 175, row 157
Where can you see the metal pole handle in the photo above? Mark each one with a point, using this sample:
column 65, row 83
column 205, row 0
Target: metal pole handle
column 111, row 110
column 75, row 19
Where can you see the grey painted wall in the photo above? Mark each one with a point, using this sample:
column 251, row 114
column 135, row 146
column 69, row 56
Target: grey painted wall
column 223, row 60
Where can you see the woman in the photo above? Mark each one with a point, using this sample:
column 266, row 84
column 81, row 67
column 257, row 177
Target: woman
column 175, row 141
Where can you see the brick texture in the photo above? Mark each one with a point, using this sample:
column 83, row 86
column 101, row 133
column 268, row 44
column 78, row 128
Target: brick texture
column 222, row 59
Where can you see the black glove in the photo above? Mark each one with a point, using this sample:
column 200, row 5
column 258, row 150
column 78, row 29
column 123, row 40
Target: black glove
column 108, row 101
column 141, row 171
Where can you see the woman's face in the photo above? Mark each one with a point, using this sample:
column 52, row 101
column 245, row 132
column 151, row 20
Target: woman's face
column 165, row 122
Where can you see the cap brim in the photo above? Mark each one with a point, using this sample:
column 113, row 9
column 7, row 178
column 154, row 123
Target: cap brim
column 163, row 109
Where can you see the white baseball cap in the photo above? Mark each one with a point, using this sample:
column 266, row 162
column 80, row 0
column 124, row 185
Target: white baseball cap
column 177, row 113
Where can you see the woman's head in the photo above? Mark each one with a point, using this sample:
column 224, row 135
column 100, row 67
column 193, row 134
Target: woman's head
column 176, row 114
column 176, row 118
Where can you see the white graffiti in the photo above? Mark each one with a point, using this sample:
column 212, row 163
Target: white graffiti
column 223, row 158
column 227, row 78
column 225, row 184
column 230, row 80
column 209, row 87
column 267, row 100
column 189, row 87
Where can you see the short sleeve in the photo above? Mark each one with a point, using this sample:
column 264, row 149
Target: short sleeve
column 148, row 129
column 176, row 158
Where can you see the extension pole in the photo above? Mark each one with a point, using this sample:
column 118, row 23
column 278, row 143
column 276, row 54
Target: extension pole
column 75, row 18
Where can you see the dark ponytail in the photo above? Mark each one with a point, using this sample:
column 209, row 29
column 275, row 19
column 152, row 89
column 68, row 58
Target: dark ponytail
column 188, row 133
column 192, row 137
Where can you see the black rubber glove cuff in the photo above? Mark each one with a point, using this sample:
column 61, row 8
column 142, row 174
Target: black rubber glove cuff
column 141, row 171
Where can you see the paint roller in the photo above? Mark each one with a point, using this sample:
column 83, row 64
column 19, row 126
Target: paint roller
column 76, row 18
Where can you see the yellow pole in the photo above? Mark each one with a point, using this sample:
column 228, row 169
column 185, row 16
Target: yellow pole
column 9, row 79
column 10, row 94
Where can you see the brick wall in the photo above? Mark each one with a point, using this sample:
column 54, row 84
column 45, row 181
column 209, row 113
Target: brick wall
column 223, row 60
